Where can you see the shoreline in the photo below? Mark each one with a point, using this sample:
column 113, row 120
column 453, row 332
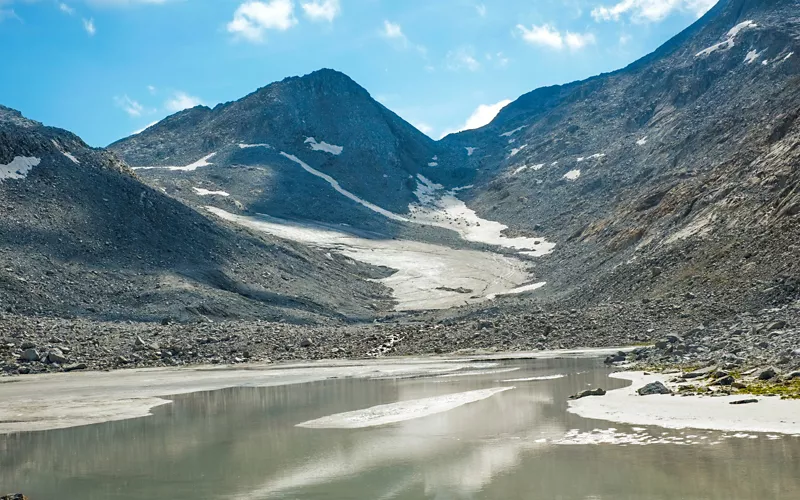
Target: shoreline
column 769, row 415
column 63, row 400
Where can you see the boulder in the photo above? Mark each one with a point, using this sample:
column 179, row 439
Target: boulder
column 589, row 392
column 30, row 355
column 56, row 356
column 703, row 372
column 768, row 374
column 776, row 325
column 726, row 380
column 744, row 402
column 306, row 343
column 654, row 388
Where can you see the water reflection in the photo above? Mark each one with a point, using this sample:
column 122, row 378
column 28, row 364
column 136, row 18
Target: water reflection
column 244, row 443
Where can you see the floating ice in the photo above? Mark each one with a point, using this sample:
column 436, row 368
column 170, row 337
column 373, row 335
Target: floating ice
column 401, row 411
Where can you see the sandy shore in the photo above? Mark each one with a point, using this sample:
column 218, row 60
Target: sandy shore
column 61, row 400
column 770, row 414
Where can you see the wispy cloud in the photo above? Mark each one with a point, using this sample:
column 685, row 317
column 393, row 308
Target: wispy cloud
column 483, row 115
column 322, row 10
column 252, row 19
column 481, row 10
column 180, row 101
column 642, row 11
column 66, row 9
column 133, row 108
column 394, row 33
column 462, row 58
column 88, row 25
column 548, row 36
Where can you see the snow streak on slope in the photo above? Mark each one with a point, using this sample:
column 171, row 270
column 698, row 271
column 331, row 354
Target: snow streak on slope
column 730, row 40
column 18, row 168
column 206, row 192
column 202, row 162
column 323, row 146
column 335, row 184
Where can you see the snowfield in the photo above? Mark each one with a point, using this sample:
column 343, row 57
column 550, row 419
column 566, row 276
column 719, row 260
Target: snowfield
column 206, row 192
column 730, row 39
column 19, row 167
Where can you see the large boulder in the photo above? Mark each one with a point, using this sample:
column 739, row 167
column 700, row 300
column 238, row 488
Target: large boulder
column 589, row 392
column 654, row 388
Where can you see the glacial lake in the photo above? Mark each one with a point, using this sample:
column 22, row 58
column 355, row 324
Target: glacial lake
column 521, row 443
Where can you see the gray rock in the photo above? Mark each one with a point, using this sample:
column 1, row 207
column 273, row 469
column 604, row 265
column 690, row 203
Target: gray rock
column 56, row 356
column 768, row 374
column 654, row 388
column 30, row 355
column 744, row 402
column 724, row 381
column 776, row 325
column 589, row 392
column 306, row 343
column 703, row 372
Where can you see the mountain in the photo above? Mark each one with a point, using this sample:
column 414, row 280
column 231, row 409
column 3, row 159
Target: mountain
column 255, row 149
column 81, row 235
column 676, row 175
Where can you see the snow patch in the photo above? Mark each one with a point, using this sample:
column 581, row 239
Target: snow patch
column 206, row 192
column 71, row 157
column 335, row 185
column 441, row 208
column 517, row 150
column 433, row 164
column 518, row 290
column 202, row 162
column 752, row 57
column 248, row 146
column 401, row 411
column 730, row 40
column 323, row 146
column 572, row 175
column 512, row 132
column 642, row 141
column 786, row 58
column 520, row 170
column 538, row 167
column 19, row 167
column 470, row 151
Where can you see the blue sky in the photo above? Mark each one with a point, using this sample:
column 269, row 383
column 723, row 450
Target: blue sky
column 105, row 68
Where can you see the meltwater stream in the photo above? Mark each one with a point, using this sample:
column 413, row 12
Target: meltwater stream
column 517, row 443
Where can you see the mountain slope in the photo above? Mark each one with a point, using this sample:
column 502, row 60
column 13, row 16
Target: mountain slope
column 259, row 143
column 81, row 235
column 678, row 174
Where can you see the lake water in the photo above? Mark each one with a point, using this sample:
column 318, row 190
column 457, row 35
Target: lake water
column 522, row 443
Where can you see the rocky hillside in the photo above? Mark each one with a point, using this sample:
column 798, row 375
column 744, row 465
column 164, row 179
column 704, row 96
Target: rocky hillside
column 253, row 152
column 676, row 177
column 80, row 235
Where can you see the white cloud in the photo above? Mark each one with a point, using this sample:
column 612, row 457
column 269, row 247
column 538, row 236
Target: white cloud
column 642, row 11
column 423, row 127
column 462, row 58
column 252, row 19
column 133, row 108
column 483, row 115
column 481, row 10
column 88, row 25
column 548, row 36
column 393, row 31
column 180, row 101
column 66, row 9
column 625, row 39
column 8, row 14
column 151, row 89
column 322, row 10
column 577, row 41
